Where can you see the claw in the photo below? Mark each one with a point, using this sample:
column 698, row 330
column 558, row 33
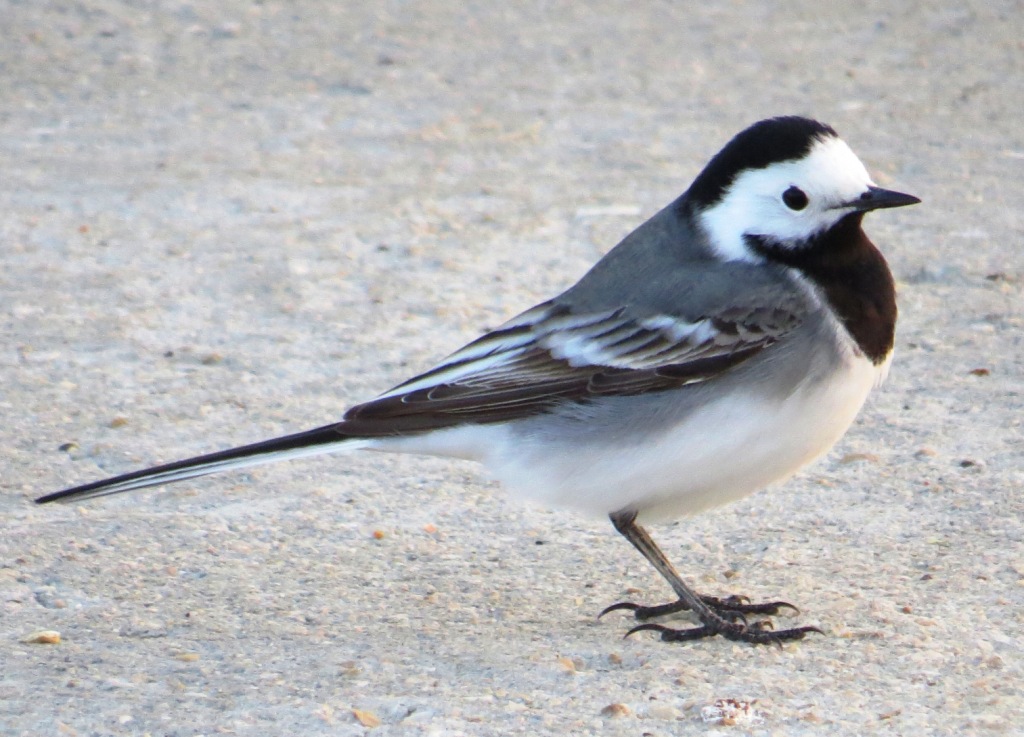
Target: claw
column 617, row 606
column 673, row 635
column 758, row 634
column 650, row 626
column 742, row 603
column 732, row 615
column 734, row 600
column 648, row 612
column 776, row 605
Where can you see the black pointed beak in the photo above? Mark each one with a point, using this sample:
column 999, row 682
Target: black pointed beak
column 877, row 198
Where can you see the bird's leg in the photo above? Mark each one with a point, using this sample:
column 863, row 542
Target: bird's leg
column 726, row 617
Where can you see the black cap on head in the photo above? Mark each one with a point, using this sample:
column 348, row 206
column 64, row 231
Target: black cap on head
column 764, row 143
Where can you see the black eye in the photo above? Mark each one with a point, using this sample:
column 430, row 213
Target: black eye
column 794, row 198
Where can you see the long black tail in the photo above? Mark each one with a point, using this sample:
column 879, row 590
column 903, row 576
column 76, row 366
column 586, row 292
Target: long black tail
column 325, row 439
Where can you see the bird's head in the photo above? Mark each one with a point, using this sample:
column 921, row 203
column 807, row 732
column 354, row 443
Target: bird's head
column 782, row 182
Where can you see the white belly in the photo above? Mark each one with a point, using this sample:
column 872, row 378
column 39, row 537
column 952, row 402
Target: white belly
column 721, row 452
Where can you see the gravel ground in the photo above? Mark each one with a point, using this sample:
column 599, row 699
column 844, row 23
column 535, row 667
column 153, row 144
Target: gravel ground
column 223, row 221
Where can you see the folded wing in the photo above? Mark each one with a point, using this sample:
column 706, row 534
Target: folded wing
column 550, row 355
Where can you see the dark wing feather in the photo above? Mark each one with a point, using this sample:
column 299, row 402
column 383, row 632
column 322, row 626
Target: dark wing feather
column 550, row 355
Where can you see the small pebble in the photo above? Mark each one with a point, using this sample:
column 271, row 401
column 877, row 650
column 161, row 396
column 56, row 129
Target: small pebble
column 43, row 637
column 366, row 718
column 615, row 710
column 855, row 457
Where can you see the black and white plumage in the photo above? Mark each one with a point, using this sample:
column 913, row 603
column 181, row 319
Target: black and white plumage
column 721, row 346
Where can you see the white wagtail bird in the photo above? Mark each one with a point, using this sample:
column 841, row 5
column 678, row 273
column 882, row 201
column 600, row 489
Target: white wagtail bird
column 725, row 343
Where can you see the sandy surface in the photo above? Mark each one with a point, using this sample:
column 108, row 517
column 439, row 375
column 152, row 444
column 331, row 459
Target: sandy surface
column 223, row 221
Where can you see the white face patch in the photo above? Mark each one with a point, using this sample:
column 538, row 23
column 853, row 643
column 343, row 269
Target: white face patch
column 830, row 175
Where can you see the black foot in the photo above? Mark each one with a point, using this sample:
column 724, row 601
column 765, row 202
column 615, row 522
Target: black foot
column 730, row 621
column 726, row 617
column 758, row 633
column 728, row 607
